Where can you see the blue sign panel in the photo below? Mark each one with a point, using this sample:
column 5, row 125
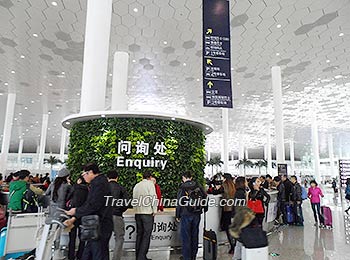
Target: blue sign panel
column 217, row 90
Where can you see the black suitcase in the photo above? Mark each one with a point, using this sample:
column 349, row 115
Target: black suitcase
column 210, row 244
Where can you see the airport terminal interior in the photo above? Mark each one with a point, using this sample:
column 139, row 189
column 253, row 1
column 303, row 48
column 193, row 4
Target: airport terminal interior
column 248, row 88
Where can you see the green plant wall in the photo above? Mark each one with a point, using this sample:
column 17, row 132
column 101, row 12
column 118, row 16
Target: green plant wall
column 97, row 140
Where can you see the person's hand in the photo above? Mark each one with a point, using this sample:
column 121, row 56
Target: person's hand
column 70, row 212
column 177, row 220
column 298, row 202
column 69, row 222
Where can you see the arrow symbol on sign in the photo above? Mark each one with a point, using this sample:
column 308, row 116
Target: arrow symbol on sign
column 209, row 62
column 210, row 84
column 209, row 31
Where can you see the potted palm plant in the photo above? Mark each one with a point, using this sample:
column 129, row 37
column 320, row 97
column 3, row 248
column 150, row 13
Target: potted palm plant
column 245, row 163
column 215, row 161
column 52, row 160
column 259, row 164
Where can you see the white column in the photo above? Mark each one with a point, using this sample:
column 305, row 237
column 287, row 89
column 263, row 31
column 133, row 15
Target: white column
column 277, row 100
column 246, row 153
column 120, row 81
column 315, row 148
column 292, row 157
column 225, row 138
column 241, row 155
column 265, row 152
column 5, row 146
column 269, row 152
column 96, row 50
column 331, row 156
column 208, row 155
column 63, row 143
column 19, row 155
column 43, row 135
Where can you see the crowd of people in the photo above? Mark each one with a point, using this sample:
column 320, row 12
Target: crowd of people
column 87, row 196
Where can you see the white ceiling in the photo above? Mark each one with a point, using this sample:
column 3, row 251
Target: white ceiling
column 309, row 39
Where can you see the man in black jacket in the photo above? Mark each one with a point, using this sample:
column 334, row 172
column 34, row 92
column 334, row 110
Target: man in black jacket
column 119, row 193
column 296, row 201
column 288, row 185
column 281, row 200
column 188, row 215
column 95, row 205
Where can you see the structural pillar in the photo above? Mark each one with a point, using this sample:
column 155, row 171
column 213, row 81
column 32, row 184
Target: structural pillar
column 246, row 153
column 5, row 146
column 225, row 138
column 120, row 81
column 265, row 152
column 277, row 101
column 96, row 51
column 292, row 157
column 19, row 155
column 268, row 149
column 315, row 148
column 43, row 135
column 331, row 156
column 63, row 143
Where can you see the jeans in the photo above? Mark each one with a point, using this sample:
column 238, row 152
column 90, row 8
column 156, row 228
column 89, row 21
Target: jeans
column 119, row 231
column 189, row 236
column 97, row 249
column 317, row 206
column 144, row 227
column 71, row 249
column 298, row 213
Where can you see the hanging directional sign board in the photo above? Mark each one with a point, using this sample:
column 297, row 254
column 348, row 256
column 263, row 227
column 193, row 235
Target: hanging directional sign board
column 217, row 90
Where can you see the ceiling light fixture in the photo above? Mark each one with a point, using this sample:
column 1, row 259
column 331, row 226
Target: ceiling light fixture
column 165, row 42
column 328, row 61
column 67, row 123
column 103, row 115
column 35, row 35
column 50, row 84
column 110, row 74
column 278, row 26
column 133, row 61
column 40, row 94
column 341, row 34
column 277, row 54
column 6, row 84
column 32, row 101
column 197, row 79
column 78, row 94
column 22, row 56
column 184, row 64
column 135, row 10
column 1, row 94
column 63, row 73
column 173, row 118
column 25, row 108
column 19, row 114
column 67, row 101
column 13, row 72
column 54, row 3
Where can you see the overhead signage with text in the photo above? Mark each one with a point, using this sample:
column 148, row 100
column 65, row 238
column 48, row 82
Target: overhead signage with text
column 344, row 171
column 217, row 90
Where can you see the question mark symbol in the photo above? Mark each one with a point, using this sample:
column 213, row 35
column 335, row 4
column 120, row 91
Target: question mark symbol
column 133, row 229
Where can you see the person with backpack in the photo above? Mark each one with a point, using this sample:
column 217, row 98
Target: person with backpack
column 80, row 194
column 314, row 195
column 188, row 213
column 118, row 193
column 144, row 214
column 347, row 194
column 296, row 201
column 22, row 198
column 60, row 191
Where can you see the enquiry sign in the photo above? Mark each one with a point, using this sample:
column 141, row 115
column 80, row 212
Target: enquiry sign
column 125, row 148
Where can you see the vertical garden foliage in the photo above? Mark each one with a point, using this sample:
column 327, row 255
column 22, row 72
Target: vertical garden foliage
column 96, row 141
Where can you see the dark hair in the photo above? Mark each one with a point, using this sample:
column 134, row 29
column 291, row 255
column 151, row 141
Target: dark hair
column 252, row 182
column 263, row 177
column 92, row 167
column 187, row 174
column 57, row 184
column 22, row 174
column 240, row 183
column 268, row 176
column 1, row 177
column 348, row 181
column 294, row 177
column 82, row 180
column 146, row 175
column 313, row 181
column 277, row 178
column 228, row 176
column 113, row 174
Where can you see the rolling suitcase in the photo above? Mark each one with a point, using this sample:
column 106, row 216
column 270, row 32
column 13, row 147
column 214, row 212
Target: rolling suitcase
column 290, row 214
column 210, row 246
column 327, row 216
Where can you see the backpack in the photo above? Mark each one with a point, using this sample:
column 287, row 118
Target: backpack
column 195, row 197
column 303, row 193
column 29, row 201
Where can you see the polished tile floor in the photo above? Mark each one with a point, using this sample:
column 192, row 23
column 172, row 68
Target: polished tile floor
column 299, row 243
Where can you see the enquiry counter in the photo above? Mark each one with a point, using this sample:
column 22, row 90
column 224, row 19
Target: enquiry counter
column 166, row 231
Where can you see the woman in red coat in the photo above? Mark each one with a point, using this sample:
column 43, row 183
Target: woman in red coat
column 159, row 194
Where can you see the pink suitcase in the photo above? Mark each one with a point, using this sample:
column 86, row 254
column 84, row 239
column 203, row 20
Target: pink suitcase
column 327, row 216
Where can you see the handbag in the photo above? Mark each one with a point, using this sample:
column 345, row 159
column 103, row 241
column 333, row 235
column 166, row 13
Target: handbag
column 90, row 228
column 253, row 237
column 256, row 206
